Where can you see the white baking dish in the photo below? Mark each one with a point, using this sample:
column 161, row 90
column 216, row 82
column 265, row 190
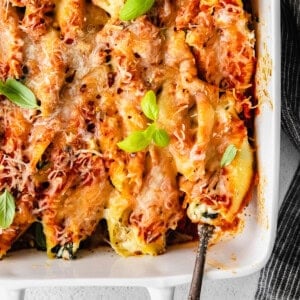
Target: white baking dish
column 244, row 254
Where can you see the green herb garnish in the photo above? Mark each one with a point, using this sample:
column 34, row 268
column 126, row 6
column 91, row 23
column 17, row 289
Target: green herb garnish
column 161, row 138
column 135, row 8
column 7, row 209
column 228, row 155
column 139, row 140
column 136, row 141
column 149, row 106
column 18, row 93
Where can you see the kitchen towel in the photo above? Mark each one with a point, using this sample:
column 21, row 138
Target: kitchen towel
column 280, row 279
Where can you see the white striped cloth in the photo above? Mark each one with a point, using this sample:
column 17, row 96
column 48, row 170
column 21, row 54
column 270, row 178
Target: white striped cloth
column 280, row 279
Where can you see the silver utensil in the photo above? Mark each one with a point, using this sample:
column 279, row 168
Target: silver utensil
column 205, row 232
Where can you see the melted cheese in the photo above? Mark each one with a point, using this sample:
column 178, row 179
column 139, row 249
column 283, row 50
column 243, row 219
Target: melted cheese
column 90, row 71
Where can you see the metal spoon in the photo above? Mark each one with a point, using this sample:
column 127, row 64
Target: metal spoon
column 205, row 232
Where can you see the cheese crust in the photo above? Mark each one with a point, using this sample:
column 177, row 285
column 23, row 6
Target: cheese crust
column 89, row 71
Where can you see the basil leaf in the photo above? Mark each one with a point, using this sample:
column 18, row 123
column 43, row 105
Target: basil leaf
column 228, row 155
column 148, row 132
column 18, row 93
column 136, row 141
column 149, row 106
column 139, row 140
column 135, row 8
column 40, row 238
column 7, row 209
column 161, row 138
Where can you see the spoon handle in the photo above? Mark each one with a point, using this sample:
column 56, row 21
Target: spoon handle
column 205, row 232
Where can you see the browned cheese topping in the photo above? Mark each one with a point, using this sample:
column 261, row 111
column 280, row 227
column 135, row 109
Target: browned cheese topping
column 89, row 71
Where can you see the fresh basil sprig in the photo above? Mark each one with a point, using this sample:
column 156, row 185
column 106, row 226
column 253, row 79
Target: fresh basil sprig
column 228, row 155
column 139, row 140
column 135, row 8
column 7, row 209
column 18, row 93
